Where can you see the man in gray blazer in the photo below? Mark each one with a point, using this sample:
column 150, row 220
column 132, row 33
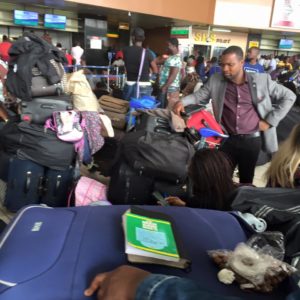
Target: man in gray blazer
column 248, row 106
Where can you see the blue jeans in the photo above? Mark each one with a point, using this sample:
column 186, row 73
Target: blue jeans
column 129, row 91
column 161, row 287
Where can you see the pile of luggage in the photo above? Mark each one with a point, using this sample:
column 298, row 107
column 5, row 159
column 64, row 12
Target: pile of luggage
column 36, row 166
column 155, row 158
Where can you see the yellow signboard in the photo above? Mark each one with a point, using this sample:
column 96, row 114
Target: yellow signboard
column 253, row 44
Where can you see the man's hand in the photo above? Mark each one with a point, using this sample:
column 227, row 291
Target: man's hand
column 120, row 283
column 178, row 108
column 175, row 201
column 263, row 125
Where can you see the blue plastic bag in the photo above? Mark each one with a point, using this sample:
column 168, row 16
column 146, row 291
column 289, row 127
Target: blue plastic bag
column 146, row 102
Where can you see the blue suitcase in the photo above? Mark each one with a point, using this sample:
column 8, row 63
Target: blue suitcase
column 57, row 186
column 53, row 253
column 23, row 179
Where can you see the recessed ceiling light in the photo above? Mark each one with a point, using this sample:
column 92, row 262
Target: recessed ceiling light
column 221, row 30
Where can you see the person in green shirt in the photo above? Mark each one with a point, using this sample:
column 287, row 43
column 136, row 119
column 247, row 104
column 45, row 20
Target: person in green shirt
column 170, row 76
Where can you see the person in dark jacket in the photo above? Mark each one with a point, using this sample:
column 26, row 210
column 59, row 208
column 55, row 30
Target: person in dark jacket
column 211, row 175
column 127, row 282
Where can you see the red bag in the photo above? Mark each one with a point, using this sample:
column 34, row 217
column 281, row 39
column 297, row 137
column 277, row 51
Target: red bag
column 202, row 119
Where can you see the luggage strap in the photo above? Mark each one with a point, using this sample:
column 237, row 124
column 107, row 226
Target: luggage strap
column 140, row 73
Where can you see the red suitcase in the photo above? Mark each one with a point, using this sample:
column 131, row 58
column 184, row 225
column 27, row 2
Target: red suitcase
column 202, row 119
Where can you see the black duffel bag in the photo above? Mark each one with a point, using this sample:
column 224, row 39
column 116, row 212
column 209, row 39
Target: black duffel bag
column 34, row 142
column 158, row 155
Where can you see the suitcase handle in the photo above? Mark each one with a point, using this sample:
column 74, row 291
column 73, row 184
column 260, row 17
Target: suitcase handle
column 40, row 186
column 48, row 106
column 45, row 186
column 57, row 185
column 28, row 182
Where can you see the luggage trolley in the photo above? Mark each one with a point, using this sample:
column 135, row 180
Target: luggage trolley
column 119, row 78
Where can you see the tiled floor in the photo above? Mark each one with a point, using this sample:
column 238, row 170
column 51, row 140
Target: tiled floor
column 259, row 181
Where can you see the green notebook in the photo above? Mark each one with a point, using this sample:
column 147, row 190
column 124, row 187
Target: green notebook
column 151, row 240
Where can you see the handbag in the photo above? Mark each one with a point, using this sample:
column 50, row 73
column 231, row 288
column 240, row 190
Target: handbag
column 89, row 192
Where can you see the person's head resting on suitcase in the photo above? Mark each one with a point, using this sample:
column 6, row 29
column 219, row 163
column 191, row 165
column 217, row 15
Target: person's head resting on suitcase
column 284, row 167
column 138, row 35
column 211, row 174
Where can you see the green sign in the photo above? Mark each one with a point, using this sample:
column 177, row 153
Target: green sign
column 180, row 32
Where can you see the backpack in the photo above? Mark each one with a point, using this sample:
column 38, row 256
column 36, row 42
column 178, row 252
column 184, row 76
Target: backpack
column 67, row 125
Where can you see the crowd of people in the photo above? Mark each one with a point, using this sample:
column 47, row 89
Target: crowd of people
column 242, row 94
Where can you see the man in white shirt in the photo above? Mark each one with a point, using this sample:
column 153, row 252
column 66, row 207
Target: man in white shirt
column 77, row 53
column 272, row 64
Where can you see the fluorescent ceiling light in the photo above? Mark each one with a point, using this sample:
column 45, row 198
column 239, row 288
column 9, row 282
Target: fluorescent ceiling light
column 221, row 30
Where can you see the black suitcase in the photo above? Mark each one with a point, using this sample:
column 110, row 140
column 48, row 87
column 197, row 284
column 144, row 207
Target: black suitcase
column 23, row 180
column 40, row 109
column 31, row 141
column 128, row 187
column 57, row 186
column 153, row 124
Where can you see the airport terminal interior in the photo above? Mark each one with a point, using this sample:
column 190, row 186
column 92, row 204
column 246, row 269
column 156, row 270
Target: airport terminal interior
column 150, row 149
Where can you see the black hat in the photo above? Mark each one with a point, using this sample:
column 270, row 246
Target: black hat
column 138, row 32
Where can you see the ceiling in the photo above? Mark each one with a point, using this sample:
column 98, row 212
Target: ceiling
column 136, row 19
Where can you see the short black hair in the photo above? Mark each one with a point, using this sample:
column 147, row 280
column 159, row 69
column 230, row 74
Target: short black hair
column 234, row 50
column 58, row 45
column 214, row 60
column 138, row 34
column 174, row 42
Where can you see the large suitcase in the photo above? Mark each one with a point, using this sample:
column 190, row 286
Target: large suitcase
column 204, row 119
column 118, row 120
column 40, row 109
column 57, row 186
column 54, row 253
column 112, row 104
column 31, row 141
column 23, row 179
column 126, row 186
